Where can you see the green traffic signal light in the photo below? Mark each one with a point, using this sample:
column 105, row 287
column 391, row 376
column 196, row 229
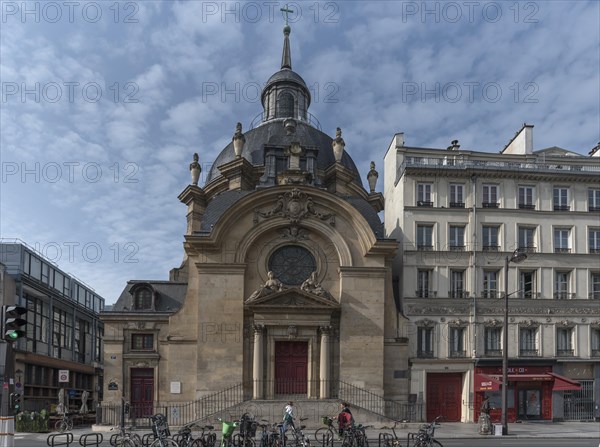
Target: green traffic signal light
column 13, row 324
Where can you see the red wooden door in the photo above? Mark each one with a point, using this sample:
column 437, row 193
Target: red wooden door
column 291, row 367
column 142, row 392
column 444, row 396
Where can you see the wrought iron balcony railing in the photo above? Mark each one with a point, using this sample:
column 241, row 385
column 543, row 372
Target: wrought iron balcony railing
column 424, row 203
column 562, row 208
column 562, row 250
column 459, row 294
column 565, row 353
column 526, row 206
column 529, row 353
column 491, row 248
column 493, row 352
column 492, row 294
column 457, row 204
column 425, row 354
column 490, row 204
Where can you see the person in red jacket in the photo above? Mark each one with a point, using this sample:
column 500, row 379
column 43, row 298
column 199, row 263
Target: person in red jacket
column 345, row 419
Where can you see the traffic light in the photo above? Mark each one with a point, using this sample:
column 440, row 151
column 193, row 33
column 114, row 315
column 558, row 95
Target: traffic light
column 15, row 402
column 13, row 323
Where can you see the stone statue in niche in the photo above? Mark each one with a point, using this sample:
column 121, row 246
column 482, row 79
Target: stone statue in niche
column 271, row 285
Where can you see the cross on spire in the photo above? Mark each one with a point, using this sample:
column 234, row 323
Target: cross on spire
column 286, row 11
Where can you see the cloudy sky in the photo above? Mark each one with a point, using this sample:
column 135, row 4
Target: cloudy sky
column 104, row 103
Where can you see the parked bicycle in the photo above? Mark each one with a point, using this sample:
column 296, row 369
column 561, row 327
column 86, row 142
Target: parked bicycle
column 245, row 438
column 389, row 439
column 424, row 438
column 207, row 437
column 65, row 423
column 270, row 434
column 355, row 436
column 325, row 435
column 160, row 429
column 227, row 429
column 299, row 439
column 125, row 438
column 184, row 437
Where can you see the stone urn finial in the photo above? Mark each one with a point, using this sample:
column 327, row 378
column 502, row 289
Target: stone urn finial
column 195, row 170
column 372, row 177
column 238, row 140
column 338, row 145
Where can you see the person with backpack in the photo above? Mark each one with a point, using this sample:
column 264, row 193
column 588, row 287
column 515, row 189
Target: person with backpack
column 288, row 419
column 345, row 418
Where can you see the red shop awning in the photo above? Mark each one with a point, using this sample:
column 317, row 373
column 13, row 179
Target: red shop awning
column 486, row 383
column 562, row 383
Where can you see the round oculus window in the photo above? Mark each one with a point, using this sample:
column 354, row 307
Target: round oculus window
column 292, row 264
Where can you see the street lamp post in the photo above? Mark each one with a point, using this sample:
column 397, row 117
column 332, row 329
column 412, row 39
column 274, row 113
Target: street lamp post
column 517, row 257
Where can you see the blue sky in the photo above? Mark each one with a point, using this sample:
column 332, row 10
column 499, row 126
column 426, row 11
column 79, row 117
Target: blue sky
column 103, row 103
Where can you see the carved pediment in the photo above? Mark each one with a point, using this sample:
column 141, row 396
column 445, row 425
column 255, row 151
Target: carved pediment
column 292, row 298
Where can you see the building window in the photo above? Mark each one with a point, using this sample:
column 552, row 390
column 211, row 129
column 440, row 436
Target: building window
column 594, row 240
column 456, row 196
column 527, row 285
column 424, row 237
column 561, row 285
column 424, row 194
column 493, row 342
column 490, row 284
column 490, row 196
column 457, row 342
column 457, row 237
column 285, row 105
column 561, row 240
column 595, row 342
column 425, row 342
column 593, row 199
column 595, row 286
column 457, row 284
column 292, row 264
column 564, row 342
column 142, row 299
column 490, row 238
column 528, row 345
column 527, row 239
column 142, row 342
column 423, row 282
column 561, row 199
column 526, row 198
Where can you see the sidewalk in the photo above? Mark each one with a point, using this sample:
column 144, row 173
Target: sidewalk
column 457, row 430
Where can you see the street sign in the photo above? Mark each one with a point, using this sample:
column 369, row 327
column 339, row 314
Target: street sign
column 63, row 375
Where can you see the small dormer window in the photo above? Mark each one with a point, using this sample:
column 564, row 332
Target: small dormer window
column 285, row 105
column 142, row 299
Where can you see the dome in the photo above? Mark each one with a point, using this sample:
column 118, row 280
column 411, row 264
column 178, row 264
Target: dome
column 286, row 75
column 273, row 133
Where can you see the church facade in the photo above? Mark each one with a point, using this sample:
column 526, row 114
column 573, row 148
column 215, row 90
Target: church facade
column 286, row 284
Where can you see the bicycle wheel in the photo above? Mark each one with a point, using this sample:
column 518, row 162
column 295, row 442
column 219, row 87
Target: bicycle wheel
column 61, row 426
column 209, row 440
column 324, row 436
column 166, row 442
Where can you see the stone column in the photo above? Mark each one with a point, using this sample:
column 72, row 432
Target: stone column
column 324, row 363
column 257, row 366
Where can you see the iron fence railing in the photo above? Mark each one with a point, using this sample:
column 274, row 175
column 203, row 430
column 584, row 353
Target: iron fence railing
column 181, row 413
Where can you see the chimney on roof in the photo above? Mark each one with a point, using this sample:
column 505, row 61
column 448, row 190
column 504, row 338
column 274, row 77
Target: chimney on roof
column 454, row 146
column 595, row 152
column 521, row 143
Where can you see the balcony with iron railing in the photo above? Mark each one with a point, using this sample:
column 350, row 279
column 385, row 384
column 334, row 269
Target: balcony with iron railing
column 424, row 204
column 493, row 352
column 595, row 250
column 490, row 204
column 425, row 293
column 592, row 209
column 458, row 354
column 425, row 354
column 562, row 208
column 453, row 247
column 459, row 294
column 529, row 353
column 527, row 295
column 562, row 250
column 465, row 161
column 595, row 352
column 490, row 248
column 425, row 247
column 565, row 353
column 594, row 295
column 309, row 119
column 529, row 248
column 526, row 206
column 564, row 295
column 457, row 204
column 490, row 294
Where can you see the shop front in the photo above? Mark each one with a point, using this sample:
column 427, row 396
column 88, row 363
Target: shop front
column 529, row 395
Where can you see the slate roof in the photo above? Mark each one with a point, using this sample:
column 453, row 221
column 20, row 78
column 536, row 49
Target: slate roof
column 170, row 296
column 273, row 133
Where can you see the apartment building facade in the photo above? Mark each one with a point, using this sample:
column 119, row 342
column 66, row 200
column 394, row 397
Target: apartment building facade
column 458, row 217
column 64, row 332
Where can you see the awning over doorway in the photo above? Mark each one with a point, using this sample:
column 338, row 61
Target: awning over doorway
column 562, row 383
column 484, row 382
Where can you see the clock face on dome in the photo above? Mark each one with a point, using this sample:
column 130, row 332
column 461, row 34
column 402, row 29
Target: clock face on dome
column 292, row 264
